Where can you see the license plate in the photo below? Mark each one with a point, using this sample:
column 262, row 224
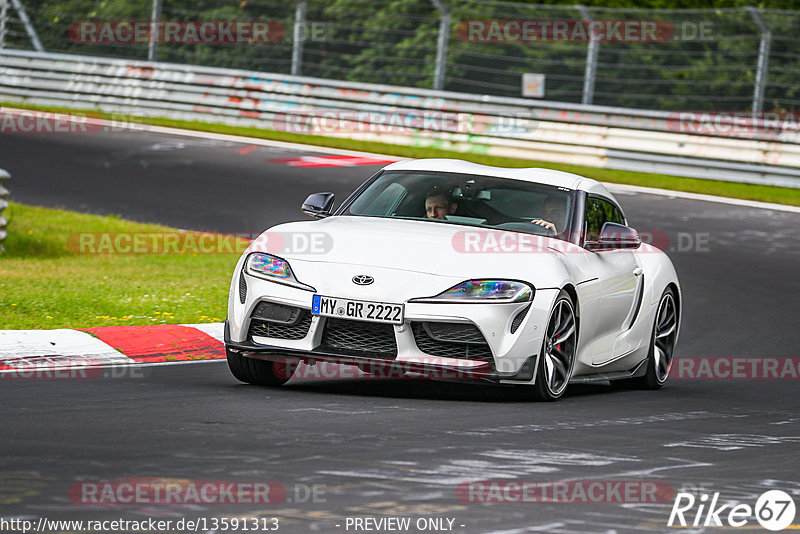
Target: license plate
column 360, row 310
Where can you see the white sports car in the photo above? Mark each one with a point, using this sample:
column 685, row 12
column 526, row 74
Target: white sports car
column 448, row 268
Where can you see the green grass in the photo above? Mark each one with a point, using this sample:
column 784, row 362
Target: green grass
column 47, row 282
column 779, row 195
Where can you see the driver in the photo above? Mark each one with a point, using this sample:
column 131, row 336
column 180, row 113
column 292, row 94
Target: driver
column 554, row 210
column 439, row 204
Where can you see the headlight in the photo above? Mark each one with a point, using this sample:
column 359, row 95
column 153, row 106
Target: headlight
column 484, row 291
column 274, row 269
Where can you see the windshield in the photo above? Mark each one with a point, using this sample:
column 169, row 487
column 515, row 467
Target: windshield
column 467, row 199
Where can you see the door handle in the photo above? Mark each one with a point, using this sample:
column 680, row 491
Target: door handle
column 637, row 271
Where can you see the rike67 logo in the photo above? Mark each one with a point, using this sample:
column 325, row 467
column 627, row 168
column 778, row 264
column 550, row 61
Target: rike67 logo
column 774, row 510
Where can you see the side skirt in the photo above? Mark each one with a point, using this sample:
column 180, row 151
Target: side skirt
column 639, row 370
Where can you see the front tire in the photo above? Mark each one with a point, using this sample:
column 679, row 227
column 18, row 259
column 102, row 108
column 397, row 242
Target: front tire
column 258, row 372
column 557, row 358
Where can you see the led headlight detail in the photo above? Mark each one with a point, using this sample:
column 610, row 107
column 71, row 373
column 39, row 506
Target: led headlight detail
column 484, row 291
column 269, row 266
column 274, row 269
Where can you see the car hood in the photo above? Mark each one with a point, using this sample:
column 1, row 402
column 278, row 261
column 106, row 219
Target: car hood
column 423, row 247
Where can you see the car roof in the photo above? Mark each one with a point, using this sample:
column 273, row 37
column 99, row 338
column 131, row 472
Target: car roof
column 531, row 174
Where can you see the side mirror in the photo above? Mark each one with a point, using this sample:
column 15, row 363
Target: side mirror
column 318, row 205
column 615, row 236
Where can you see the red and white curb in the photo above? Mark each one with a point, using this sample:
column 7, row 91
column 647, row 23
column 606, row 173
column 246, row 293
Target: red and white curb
column 110, row 346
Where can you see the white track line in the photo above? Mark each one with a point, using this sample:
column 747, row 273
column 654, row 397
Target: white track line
column 67, row 348
column 59, row 343
column 175, row 362
column 80, row 365
column 260, row 142
column 215, row 330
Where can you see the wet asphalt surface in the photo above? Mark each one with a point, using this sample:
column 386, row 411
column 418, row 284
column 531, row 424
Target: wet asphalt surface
column 388, row 448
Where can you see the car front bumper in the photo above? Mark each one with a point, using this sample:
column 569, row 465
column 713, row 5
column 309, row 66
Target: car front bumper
column 513, row 355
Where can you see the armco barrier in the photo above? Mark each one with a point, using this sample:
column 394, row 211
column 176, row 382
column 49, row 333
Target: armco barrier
column 596, row 136
column 3, row 205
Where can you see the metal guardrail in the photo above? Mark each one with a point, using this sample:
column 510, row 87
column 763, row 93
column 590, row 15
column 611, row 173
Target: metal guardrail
column 3, row 205
column 597, row 136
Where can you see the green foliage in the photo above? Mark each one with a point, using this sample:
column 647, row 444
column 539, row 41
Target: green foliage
column 45, row 282
column 395, row 42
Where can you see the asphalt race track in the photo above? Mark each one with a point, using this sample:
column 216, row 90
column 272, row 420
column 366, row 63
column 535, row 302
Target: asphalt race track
column 399, row 448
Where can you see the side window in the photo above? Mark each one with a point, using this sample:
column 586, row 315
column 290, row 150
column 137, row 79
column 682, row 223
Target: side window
column 598, row 212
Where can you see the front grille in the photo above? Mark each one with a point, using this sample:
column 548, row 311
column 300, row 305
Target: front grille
column 451, row 340
column 358, row 338
column 279, row 321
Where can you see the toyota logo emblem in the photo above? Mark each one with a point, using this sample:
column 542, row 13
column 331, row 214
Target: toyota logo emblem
column 362, row 280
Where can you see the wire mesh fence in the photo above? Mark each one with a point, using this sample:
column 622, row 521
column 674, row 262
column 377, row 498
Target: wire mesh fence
column 700, row 59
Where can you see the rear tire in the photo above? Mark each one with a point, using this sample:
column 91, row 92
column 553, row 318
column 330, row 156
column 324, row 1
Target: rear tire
column 557, row 358
column 258, row 372
column 662, row 346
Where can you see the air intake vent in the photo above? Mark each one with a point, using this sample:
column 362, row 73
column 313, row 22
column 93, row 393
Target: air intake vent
column 297, row 330
column 279, row 321
column 451, row 340
column 276, row 313
column 518, row 319
column 242, row 288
